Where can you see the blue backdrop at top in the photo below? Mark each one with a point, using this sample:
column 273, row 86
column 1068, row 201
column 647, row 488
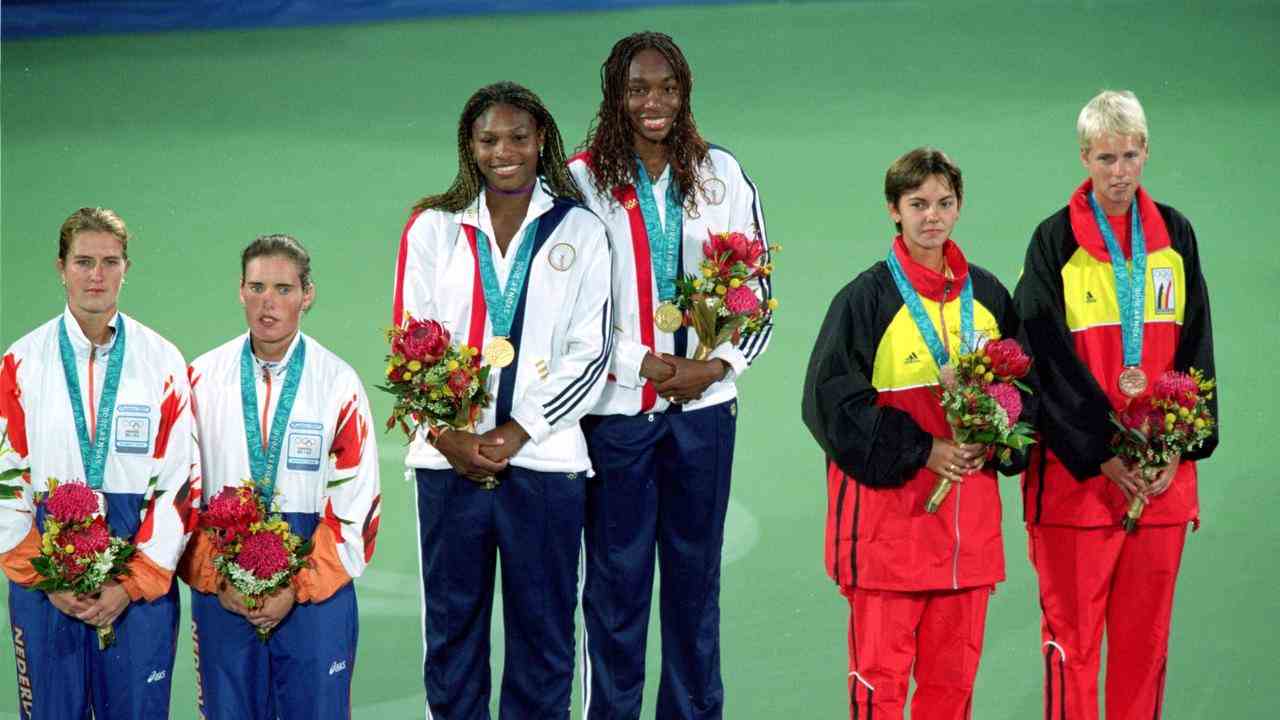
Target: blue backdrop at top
column 48, row 18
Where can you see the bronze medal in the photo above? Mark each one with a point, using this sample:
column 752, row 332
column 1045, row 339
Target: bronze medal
column 1132, row 382
column 668, row 317
column 499, row 352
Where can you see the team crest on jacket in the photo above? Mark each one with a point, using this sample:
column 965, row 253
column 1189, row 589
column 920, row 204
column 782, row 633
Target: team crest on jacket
column 562, row 256
column 1166, row 293
column 133, row 429
column 714, row 191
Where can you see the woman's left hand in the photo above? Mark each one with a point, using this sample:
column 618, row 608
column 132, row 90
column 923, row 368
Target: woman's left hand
column 107, row 605
column 691, row 379
column 1165, row 478
column 273, row 609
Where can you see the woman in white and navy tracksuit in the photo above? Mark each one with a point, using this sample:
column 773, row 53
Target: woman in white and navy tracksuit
column 662, row 436
column 508, row 252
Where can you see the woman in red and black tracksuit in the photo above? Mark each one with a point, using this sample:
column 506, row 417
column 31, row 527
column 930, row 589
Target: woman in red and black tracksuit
column 917, row 582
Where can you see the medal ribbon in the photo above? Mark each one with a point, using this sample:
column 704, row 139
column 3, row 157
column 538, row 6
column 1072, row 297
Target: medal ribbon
column 1130, row 283
column 502, row 300
column 263, row 465
column 918, row 315
column 664, row 239
column 94, row 456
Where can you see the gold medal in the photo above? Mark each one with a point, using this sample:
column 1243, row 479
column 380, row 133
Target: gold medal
column 499, row 352
column 668, row 317
column 1132, row 382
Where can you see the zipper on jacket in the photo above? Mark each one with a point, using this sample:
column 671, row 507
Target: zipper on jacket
column 955, row 557
column 93, row 408
column 266, row 406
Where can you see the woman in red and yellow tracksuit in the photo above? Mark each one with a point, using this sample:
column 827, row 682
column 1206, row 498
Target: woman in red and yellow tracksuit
column 917, row 583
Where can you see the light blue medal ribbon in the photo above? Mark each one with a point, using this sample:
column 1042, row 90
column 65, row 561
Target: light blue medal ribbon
column 918, row 315
column 502, row 300
column 263, row 465
column 93, row 455
column 1130, row 284
column 664, row 239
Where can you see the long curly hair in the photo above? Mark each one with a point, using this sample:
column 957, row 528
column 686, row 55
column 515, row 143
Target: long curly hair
column 611, row 137
column 469, row 182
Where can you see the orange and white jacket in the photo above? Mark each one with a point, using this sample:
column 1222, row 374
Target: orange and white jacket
column 151, row 483
column 328, row 472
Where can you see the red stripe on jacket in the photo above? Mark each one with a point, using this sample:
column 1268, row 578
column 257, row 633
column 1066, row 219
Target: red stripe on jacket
column 402, row 258
column 644, row 280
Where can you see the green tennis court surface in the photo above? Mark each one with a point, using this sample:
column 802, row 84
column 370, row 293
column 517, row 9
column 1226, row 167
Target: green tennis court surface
column 204, row 140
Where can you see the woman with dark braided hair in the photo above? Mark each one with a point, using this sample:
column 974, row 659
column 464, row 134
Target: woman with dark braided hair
column 508, row 260
column 661, row 438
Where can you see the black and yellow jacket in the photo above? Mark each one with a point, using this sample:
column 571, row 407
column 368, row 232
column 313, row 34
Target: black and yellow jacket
column 1067, row 300
column 871, row 400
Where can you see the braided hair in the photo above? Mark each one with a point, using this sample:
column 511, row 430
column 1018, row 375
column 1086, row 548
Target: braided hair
column 611, row 137
column 467, row 185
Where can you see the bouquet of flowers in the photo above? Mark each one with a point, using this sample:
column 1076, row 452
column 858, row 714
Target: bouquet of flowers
column 1152, row 430
column 255, row 550
column 77, row 551
column 718, row 304
column 435, row 384
column 980, row 396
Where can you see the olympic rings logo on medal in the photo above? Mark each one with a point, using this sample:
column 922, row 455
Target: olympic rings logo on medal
column 562, row 256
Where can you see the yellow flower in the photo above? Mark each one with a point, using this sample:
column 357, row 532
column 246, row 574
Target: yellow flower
column 980, row 370
column 69, row 548
column 721, row 290
column 453, row 365
column 1199, row 423
column 989, row 377
column 397, row 361
column 414, row 365
column 735, row 283
column 697, row 283
column 407, row 375
column 773, row 303
column 708, row 272
column 1170, row 418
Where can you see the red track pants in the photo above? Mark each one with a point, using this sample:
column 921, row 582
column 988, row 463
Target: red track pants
column 1091, row 577
column 939, row 632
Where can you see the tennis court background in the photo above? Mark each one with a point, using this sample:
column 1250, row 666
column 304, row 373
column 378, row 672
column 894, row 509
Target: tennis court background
column 204, row 140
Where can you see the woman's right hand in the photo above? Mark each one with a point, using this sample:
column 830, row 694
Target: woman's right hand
column 69, row 603
column 952, row 461
column 462, row 450
column 232, row 600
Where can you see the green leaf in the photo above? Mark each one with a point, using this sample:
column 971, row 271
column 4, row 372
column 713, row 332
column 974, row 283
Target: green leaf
column 13, row 474
column 10, row 492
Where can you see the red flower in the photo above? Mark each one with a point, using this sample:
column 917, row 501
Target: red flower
column 1177, row 387
column 71, row 503
column 263, row 554
column 726, row 249
column 423, row 340
column 459, row 381
column 233, row 509
column 1007, row 397
column 1142, row 416
column 11, row 405
column 1007, row 358
column 93, row 539
column 741, row 301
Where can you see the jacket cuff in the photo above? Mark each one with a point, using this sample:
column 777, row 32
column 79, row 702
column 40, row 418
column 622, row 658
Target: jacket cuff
column 196, row 566
column 325, row 573
column 17, row 561
column 531, row 419
column 146, row 580
column 627, row 359
column 732, row 355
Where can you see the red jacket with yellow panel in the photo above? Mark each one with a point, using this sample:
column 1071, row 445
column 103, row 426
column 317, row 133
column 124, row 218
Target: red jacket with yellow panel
column 1067, row 299
column 871, row 400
